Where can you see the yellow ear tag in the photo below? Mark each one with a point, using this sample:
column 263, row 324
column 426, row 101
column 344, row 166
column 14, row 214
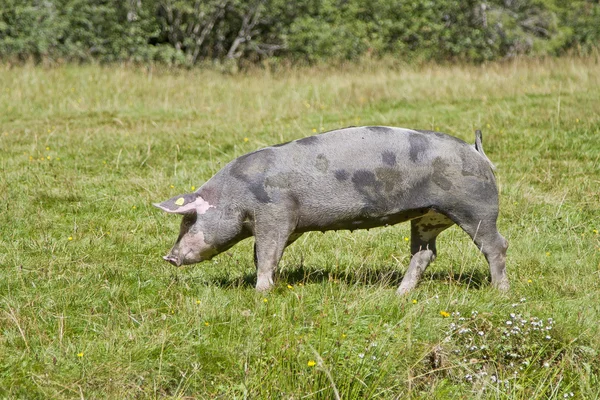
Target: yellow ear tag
column 180, row 201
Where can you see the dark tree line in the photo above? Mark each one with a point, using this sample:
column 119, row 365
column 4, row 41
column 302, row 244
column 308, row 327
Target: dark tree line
column 188, row 32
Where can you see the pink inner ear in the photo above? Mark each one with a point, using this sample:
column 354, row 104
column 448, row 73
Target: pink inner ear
column 190, row 207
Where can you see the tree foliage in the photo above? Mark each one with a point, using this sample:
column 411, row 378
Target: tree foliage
column 188, row 32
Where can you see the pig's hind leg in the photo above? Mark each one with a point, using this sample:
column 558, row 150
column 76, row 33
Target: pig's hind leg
column 424, row 231
column 492, row 244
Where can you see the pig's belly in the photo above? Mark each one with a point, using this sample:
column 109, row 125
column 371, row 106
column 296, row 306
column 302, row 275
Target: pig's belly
column 358, row 222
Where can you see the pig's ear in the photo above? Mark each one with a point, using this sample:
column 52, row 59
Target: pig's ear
column 182, row 204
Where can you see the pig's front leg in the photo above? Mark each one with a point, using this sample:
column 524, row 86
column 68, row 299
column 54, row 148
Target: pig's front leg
column 267, row 253
column 272, row 235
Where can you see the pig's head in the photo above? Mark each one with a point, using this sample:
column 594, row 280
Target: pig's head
column 197, row 240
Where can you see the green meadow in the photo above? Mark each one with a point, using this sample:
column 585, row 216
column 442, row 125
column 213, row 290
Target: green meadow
column 88, row 309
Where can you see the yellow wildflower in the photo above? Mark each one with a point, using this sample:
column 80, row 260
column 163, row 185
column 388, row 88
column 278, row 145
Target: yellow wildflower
column 290, row 286
column 245, row 139
column 444, row 314
column 311, row 363
column 414, row 301
column 80, row 355
column 70, row 237
column 265, row 300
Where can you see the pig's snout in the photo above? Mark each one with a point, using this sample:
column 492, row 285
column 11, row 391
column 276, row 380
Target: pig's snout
column 171, row 259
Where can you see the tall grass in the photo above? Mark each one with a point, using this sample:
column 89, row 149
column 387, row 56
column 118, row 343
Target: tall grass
column 88, row 309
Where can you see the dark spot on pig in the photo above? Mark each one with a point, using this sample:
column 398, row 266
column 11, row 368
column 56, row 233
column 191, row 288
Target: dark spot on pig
column 210, row 194
column 366, row 183
column 322, row 163
column 388, row 158
column 390, row 178
column 433, row 227
column 363, row 178
column 258, row 190
column 341, row 174
column 419, row 145
column 280, row 144
column 380, row 129
column 308, row 141
column 251, row 169
column 439, row 173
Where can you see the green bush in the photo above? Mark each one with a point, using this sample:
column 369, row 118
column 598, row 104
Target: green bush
column 187, row 32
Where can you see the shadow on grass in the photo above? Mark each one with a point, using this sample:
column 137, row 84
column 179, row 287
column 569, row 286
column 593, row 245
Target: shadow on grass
column 385, row 277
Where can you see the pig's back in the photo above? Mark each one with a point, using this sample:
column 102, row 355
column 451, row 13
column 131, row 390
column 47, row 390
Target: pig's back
column 373, row 175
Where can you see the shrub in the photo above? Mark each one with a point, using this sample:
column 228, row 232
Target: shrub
column 192, row 31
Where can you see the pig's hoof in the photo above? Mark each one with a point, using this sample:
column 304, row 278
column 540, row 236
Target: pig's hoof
column 407, row 284
column 262, row 285
column 502, row 286
column 404, row 290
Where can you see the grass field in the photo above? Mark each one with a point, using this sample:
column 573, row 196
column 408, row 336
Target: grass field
column 88, row 309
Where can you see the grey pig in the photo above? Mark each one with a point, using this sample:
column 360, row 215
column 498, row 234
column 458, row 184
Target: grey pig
column 352, row 178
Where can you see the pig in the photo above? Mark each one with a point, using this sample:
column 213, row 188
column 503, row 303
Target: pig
column 351, row 178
